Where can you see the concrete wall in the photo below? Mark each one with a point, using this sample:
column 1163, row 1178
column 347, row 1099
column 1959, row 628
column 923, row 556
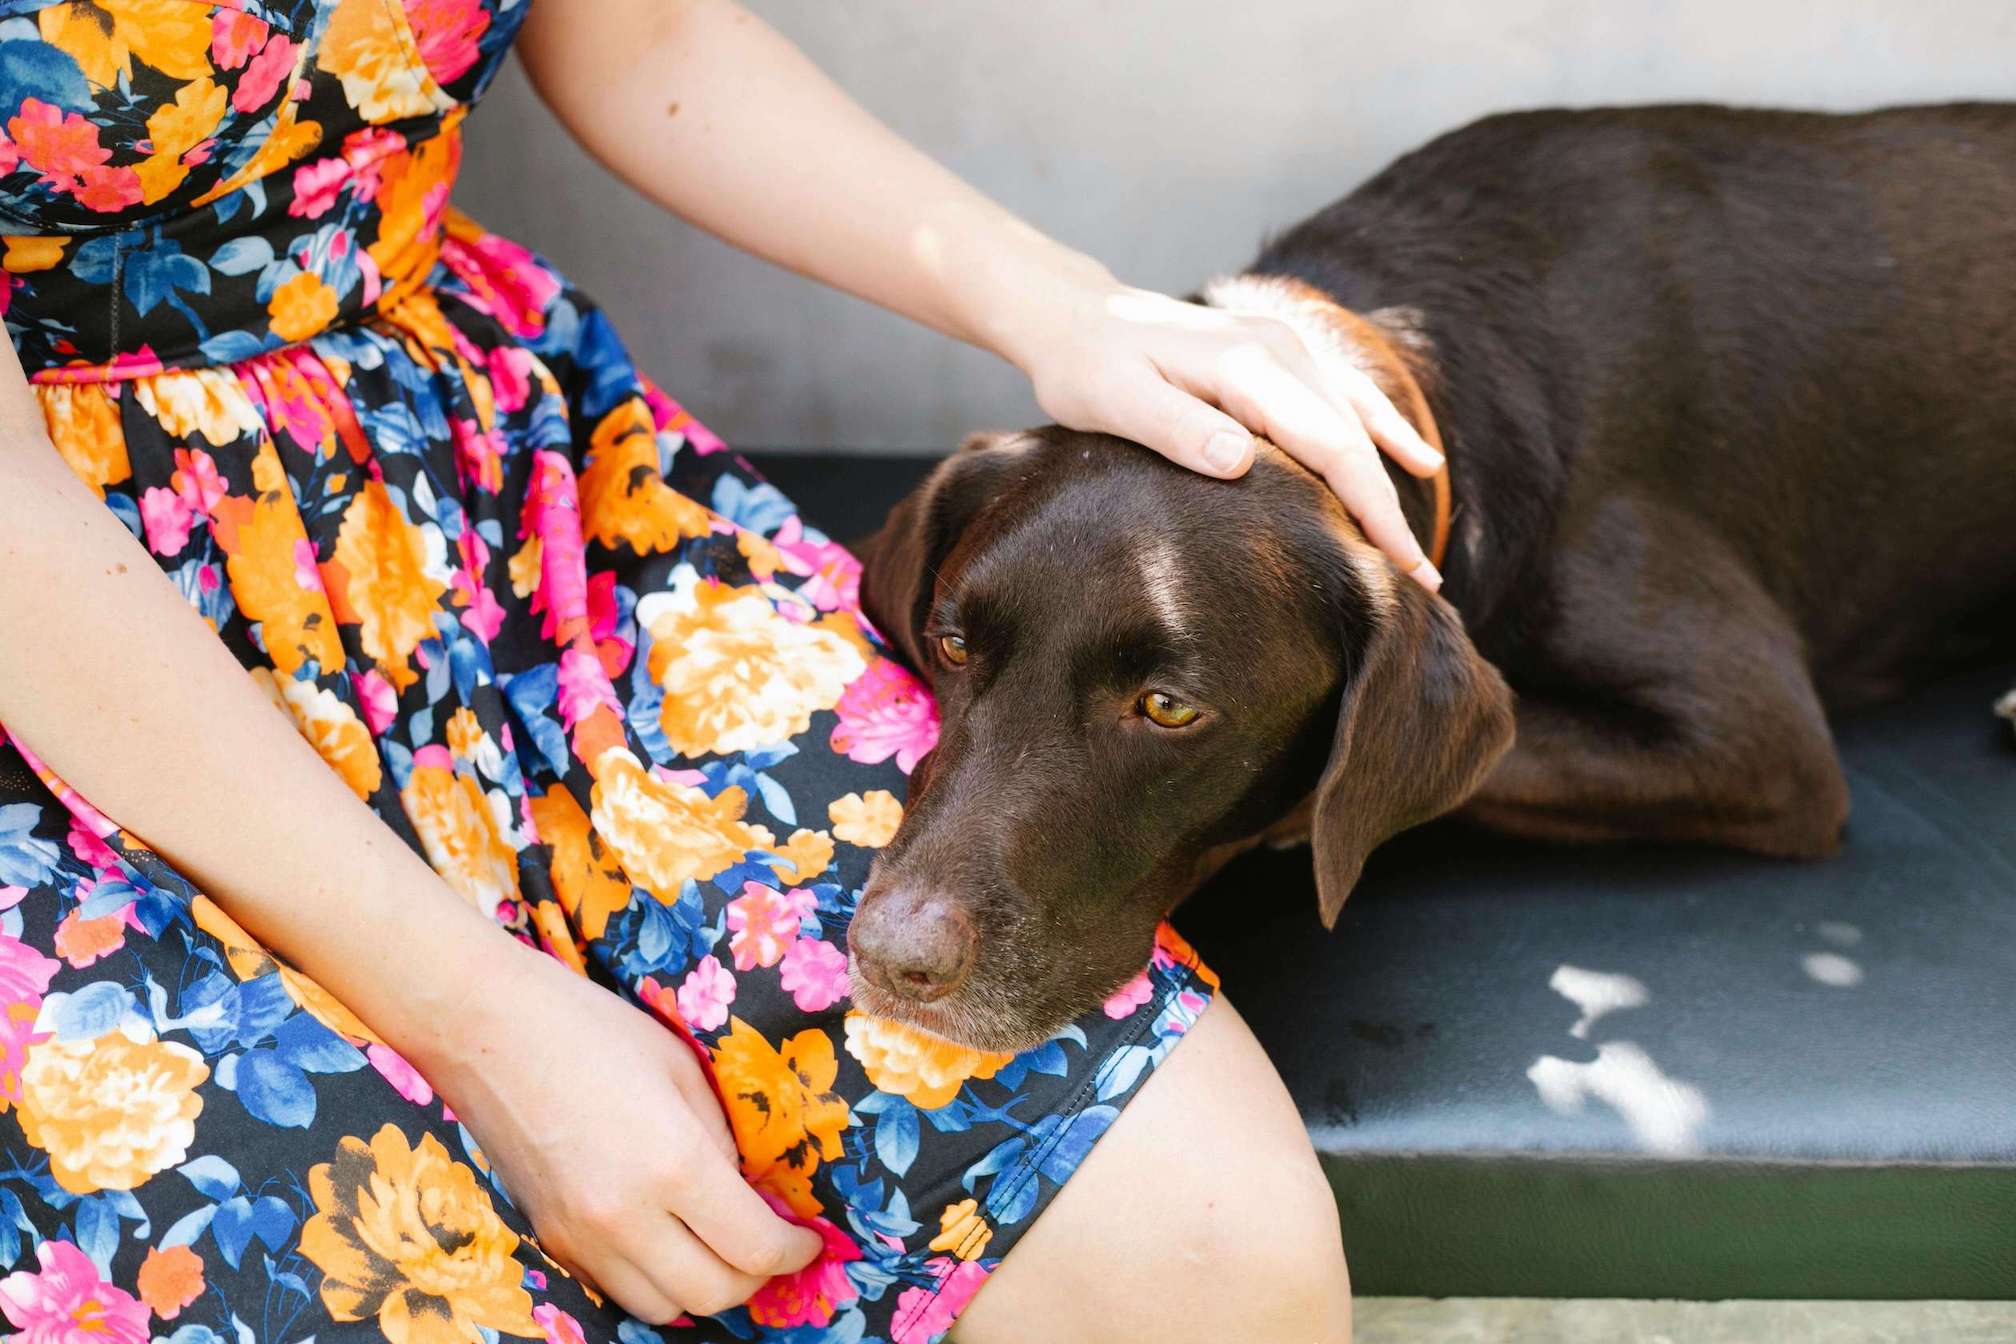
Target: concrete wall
column 1164, row 136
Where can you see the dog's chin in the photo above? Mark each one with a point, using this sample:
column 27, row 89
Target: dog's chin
column 956, row 1018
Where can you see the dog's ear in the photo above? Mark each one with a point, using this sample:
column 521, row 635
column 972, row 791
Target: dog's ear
column 900, row 563
column 1423, row 719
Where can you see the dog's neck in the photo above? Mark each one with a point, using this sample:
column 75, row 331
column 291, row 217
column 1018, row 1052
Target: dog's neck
column 1386, row 347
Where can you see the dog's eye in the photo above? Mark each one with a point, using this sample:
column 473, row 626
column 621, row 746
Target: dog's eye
column 1166, row 711
column 953, row 649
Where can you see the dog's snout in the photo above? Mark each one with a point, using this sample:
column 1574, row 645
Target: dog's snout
column 916, row 944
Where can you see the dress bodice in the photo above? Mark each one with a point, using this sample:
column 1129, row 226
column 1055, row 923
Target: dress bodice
column 190, row 182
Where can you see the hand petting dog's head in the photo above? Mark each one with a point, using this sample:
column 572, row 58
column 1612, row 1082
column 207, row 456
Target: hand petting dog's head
column 1140, row 671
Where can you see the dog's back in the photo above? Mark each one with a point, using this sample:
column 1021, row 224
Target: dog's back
column 1791, row 333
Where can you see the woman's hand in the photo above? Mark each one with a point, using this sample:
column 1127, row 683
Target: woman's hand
column 1196, row 383
column 609, row 1138
column 817, row 185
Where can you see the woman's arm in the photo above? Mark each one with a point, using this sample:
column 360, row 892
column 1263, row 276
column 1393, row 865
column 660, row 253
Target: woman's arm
column 704, row 108
column 110, row 676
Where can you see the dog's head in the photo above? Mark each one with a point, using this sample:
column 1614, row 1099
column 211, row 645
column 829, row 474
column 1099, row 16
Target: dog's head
column 1139, row 671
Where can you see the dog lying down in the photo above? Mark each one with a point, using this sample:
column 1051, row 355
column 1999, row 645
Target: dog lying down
column 1729, row 399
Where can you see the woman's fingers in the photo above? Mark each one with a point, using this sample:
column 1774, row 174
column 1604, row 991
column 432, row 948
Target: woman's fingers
column 747, row 1235
column 1260, row 390
column 1382, row 420
column 635, row 1291
column 1156, row 414
column 683, row 1269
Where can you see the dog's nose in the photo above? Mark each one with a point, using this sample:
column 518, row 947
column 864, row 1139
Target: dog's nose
column 912, row 943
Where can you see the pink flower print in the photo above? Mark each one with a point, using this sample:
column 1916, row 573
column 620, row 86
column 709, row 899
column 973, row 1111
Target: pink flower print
column 376, row 698
column 510, row 368
column 812, row 1295
column 557, row 1325
column 68, row 1303
column 88, row 847
column 764, row 923
column 553, row 514
column 482, row 614
column 447, row 32
column 814, row 972
column 317, row 186
column 886, row 712
column 394, row 1069
column 1123, row 1001
column 705, row 993
column 516, row 284
column 262, row 77
column 364, row 150
column 307, row 574
column 234, row 36
column 835, row 575
column 58, row 144
column 922, row 1315
column 165, row 516
column 10, row 156
column 479, row 455
column 604, row 610
column 668, row 414
column 24, row 972
column 584, row 686
column 108, row 189
column 197, row 480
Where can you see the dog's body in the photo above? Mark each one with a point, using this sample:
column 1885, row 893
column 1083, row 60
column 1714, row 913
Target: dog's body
column 1730, row 403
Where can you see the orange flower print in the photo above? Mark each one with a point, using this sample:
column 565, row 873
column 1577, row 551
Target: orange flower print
column 869, row 820
column 81, row 941
column 191, row 402
column 587, row 877
column 25, row 255
column 666, row 833
column 407, row 1237
column 248, row 961
column 623, row 498
column 781, row 1102
column 105, row 37
column 413, row 190
column 176, row 128
column 459, row 833
column 110, row 1112
column 962, row 1231
column 301, row 307
column 364, row 48
column 83, row 423
column 902, row 1059
column 387, row 576
column 803, row 857
column 735, row 672
column 170, row 1280
column 273, row 575
column 331, row 727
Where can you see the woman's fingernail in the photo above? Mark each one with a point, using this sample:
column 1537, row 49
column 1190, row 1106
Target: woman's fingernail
column 1427, row 575
column 1431, row 458
column 1226, row 450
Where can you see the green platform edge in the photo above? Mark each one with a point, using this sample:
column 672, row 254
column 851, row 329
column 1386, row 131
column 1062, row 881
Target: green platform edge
column 1516, row 1225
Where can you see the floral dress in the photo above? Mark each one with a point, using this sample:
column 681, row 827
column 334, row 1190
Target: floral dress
column 570, row 649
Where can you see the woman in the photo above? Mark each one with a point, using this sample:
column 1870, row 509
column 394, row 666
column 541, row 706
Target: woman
column 519, row 615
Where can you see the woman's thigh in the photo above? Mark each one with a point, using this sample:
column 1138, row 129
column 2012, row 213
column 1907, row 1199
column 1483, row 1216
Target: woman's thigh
column 1202, row 1214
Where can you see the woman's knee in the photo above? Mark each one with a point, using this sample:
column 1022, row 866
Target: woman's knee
column 1202, row 1214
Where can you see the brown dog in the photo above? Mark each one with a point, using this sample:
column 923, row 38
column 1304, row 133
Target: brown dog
column 1730, row 403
